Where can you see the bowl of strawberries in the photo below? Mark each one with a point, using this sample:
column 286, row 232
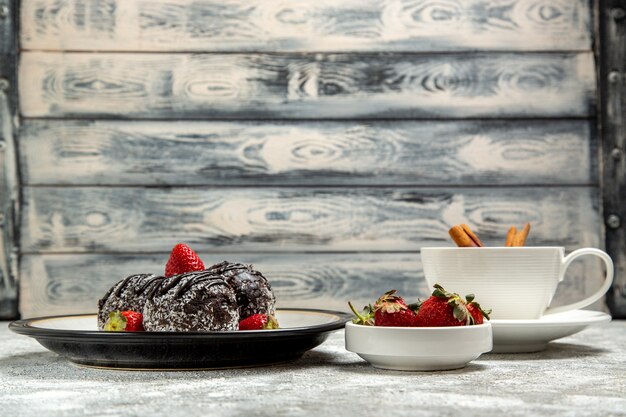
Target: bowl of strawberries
column 446, row 331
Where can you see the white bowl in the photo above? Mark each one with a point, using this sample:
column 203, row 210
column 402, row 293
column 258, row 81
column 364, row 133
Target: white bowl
column 419, row 348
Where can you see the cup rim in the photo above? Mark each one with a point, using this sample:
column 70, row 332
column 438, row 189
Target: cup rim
column 489, row 248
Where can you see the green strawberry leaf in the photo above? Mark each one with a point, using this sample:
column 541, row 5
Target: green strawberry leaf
column 459, row 313
column 485, row 313
column 439, row 291
column 415, row 306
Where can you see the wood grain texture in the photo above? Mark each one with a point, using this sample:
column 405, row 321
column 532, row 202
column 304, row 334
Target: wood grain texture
column 306, row 86
column 72, row 152
column 72, row 284
column 119, row 219
column 304, row 25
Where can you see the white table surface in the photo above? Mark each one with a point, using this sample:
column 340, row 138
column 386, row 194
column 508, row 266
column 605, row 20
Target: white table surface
column 581, row 375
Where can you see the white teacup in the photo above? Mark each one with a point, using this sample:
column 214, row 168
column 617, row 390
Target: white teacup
column 515, row 282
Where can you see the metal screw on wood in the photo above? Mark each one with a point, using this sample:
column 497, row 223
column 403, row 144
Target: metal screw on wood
column 613, row 221
column 613, row 76
column 618, row 14
column 617, row 154
column 4, row 84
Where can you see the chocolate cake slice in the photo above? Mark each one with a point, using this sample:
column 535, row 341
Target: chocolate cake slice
column 127, row 294
column 198, row 301
column 254, row 292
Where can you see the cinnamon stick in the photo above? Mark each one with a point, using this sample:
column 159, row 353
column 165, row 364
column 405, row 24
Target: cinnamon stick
column 510, row 236
column 464, row 237
column 520, row 237
column 472, row 235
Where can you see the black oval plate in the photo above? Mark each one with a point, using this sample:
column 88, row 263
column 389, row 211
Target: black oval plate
column 76, row 338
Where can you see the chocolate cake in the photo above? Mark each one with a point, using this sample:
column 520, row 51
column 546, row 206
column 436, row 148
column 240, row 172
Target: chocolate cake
column 254, row 293
column 198, row 301
column 128, row 294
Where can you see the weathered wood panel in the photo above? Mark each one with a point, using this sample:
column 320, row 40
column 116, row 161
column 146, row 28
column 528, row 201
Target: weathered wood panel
column 613, row 121
column 304, row 25
column 8, row 51
column 8, row 196
column 118, row 219
column 306, row 86
column 8, row 171
column 332, row 153
column 71, row 284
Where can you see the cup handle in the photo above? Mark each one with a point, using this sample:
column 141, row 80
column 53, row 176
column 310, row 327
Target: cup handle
column 608, row 279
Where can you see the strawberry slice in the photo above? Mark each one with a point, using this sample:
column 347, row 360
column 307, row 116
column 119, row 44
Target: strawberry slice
column 124, row 321
column 258, row 322
column 183, row 259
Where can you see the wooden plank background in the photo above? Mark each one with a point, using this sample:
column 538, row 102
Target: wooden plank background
column 77, row 152
column 296, row 25
column 307, row 86
column 323, row 142
column 148, row 219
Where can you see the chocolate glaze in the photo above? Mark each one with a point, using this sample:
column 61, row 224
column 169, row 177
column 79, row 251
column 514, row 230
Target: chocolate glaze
column 254, row 292
column 191, row 302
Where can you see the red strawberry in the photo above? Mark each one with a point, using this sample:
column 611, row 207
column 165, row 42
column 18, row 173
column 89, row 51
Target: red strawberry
column 447, row 309
column 391, row 310
column 183, row 259
column 437, row 312
column 124, row 321
column 476, row 310
column 258, row 322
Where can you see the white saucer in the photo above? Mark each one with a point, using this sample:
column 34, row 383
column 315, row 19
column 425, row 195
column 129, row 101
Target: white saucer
column 517, row 336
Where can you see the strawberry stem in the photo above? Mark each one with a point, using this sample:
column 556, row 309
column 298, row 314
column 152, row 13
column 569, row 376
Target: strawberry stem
column 356, row 313
column 366, row 321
